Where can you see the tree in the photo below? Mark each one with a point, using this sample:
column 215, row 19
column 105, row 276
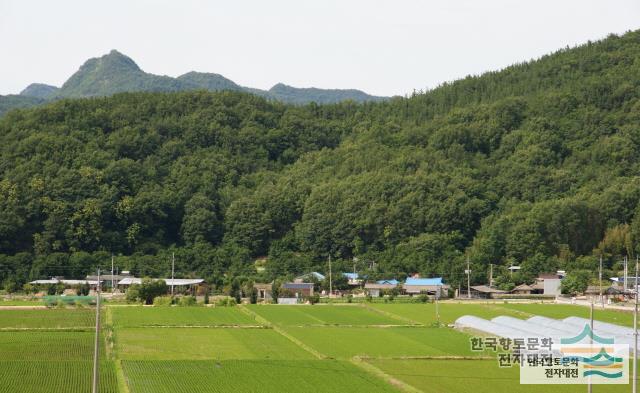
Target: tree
column 10, row 286
column 234, row 290
column 149, row 289
column 83, row 289
column 576, row 282
column 275, row 290
column 200, row 223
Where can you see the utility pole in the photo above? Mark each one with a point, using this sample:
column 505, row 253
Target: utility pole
column 112, row 289
column 173, row 265
column 330, row 283
column 635, row 334
column 589, row 386
column 437, row 309
column 96, row 349
column 625, row 276
column 468, row 279
column 491, row 275
column 600, row 282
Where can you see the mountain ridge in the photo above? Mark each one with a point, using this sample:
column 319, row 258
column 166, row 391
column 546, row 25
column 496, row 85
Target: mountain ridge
column 116, row 72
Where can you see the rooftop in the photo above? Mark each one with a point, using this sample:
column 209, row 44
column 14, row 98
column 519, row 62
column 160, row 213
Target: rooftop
column 168, row 281
column 351, row 276
column 316, row 275
column 391, row 282
column 423, row 281
column 486, row 289
column 297, row 285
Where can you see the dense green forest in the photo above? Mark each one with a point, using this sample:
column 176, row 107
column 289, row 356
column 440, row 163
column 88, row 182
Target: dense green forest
column 536, row 165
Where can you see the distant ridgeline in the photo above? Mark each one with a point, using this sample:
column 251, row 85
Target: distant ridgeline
column 116, row 73
column 536, row 165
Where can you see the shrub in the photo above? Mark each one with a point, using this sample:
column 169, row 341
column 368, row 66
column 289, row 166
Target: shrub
column 313, row 299
column 206, row 297
column 162, row 301
column 133, row 294
column 147, row 291
column 253, row 295
column 226, row 302
column 28, row 288
column 10, row 286
column 275, row 291
column 83, row 289
column 187, row 301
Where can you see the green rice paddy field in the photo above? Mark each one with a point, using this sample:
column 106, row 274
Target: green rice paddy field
column 264, row 348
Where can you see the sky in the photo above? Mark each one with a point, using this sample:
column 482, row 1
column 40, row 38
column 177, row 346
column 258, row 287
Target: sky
column 385, row 48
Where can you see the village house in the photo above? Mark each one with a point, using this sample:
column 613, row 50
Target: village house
column 431, row 286
column 376, row 288
column 484, row 292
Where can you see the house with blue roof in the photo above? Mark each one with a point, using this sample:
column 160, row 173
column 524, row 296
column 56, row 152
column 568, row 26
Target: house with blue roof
column 430, row 286
column 354, row 278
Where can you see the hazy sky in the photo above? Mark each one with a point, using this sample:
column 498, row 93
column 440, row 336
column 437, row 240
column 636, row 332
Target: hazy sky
column 382, row 47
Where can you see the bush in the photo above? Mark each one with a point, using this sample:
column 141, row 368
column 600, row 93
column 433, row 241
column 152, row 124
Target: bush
column 133, row 294
column 28, row 288
column 51, row 289
column 147, row 291
column 423, row 298
column 162, row 301
column 313, row 299
column 206, row 297
column 275, row 291
column 187, row 301
column 253, row 295
column 226, row 302
column 10, row 286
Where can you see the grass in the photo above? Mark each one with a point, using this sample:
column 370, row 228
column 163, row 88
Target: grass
column 249, row 376
column 53, row 346
column 28, row 376
column 17, row 302
column 71, row 318
column 345, row 343
column 179, row 316
column 323, row 315
column 479, row 376
column 204, row 343
column 199, row 349
column 560, row 311
column 449, row 312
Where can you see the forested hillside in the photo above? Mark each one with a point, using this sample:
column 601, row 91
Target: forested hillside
column 536, row 165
